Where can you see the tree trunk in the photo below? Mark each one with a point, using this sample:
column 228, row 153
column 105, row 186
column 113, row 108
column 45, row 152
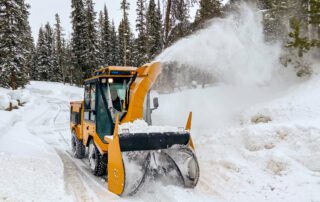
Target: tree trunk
column 13, row 81
column 167, row 23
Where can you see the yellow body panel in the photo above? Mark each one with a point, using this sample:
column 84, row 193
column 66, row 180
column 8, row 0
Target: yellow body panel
column 89, row 129
column 147, row 75
column 116, row 173
column 77, row 128
column 188, row 128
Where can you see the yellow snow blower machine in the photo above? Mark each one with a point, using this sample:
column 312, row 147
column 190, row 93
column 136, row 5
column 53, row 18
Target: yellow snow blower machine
column 120, row 95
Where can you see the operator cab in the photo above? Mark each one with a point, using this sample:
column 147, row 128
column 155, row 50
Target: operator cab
column 106, row 95
column 115, row 90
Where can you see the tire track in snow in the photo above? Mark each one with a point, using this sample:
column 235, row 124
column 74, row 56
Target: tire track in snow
column 78, row 177
column 73, row 181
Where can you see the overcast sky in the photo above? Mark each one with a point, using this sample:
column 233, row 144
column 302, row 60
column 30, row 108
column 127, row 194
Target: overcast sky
column 43, row 11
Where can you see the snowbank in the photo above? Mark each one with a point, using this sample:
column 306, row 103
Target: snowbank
column 244, row 161
column 20, row 95
column 56, row 90
column 14, row 98
column 4, row 102
column 29, row 168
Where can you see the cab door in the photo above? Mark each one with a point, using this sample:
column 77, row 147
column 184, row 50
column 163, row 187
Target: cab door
column 89, row 115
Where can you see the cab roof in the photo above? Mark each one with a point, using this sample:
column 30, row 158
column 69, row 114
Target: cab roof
column 114, row 71
column 123, row 68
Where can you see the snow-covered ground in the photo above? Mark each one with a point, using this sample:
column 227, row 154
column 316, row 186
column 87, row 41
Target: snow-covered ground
column 256, row 131
column 245, row 161
column 239, row 160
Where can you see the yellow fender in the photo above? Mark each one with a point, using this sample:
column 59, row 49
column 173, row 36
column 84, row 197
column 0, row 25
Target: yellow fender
column 116, row 173
column 188, row 128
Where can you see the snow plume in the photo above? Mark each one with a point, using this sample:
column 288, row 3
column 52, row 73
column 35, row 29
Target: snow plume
column 232, row 48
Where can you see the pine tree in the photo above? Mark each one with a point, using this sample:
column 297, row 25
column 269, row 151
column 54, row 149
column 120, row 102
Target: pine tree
column 16, row 44
column 182, row 26
column 140, row 50
column 114, row 46
column 314, row 19
column 208, row 10
column 154, row 30
column 170, row 21
column 27, row 38
column 46, row 58
column 160, row 25
column 125, row 36
column 91, row 40
column 52, row 65
column 71, row 73
column 100, row 56
column 302, row 44
column 41, row 61
column 276, row 15
column 59, row 54
column 104, row 38
column 305, row 27
column 78, row 44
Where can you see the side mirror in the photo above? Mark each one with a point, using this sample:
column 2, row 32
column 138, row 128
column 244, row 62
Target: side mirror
column 155, row 103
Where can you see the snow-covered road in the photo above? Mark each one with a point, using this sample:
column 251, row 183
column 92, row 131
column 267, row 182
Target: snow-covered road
column 239, row 160
column 44, row 122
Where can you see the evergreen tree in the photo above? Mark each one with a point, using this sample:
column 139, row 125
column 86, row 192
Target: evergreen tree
column 52, row 65
column 302, row 44
column 41, row 61
column 276, row 15
column 208, row 10
column 114, row 46
column 72, row 74
column 16, row 44
column 27, row 38
column 154, row 30
column 104, row 38
column 170, row 21
column 78, row 44
column 46, row 57
column 140, row 51
column 100, row 38
column 304, row 37
column 314, row 17
column 91, row 40
column 182, row 26
column 125, row 36
column 160, row 25
column 58, row 50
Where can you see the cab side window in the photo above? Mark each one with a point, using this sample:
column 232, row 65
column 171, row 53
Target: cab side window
column 93, row 102
column 90, row 102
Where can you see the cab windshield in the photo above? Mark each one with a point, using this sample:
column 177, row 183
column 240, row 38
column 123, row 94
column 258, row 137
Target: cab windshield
column 118, row 95
column 114, row 90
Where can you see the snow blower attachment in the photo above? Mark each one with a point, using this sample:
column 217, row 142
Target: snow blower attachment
column 114, row 96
